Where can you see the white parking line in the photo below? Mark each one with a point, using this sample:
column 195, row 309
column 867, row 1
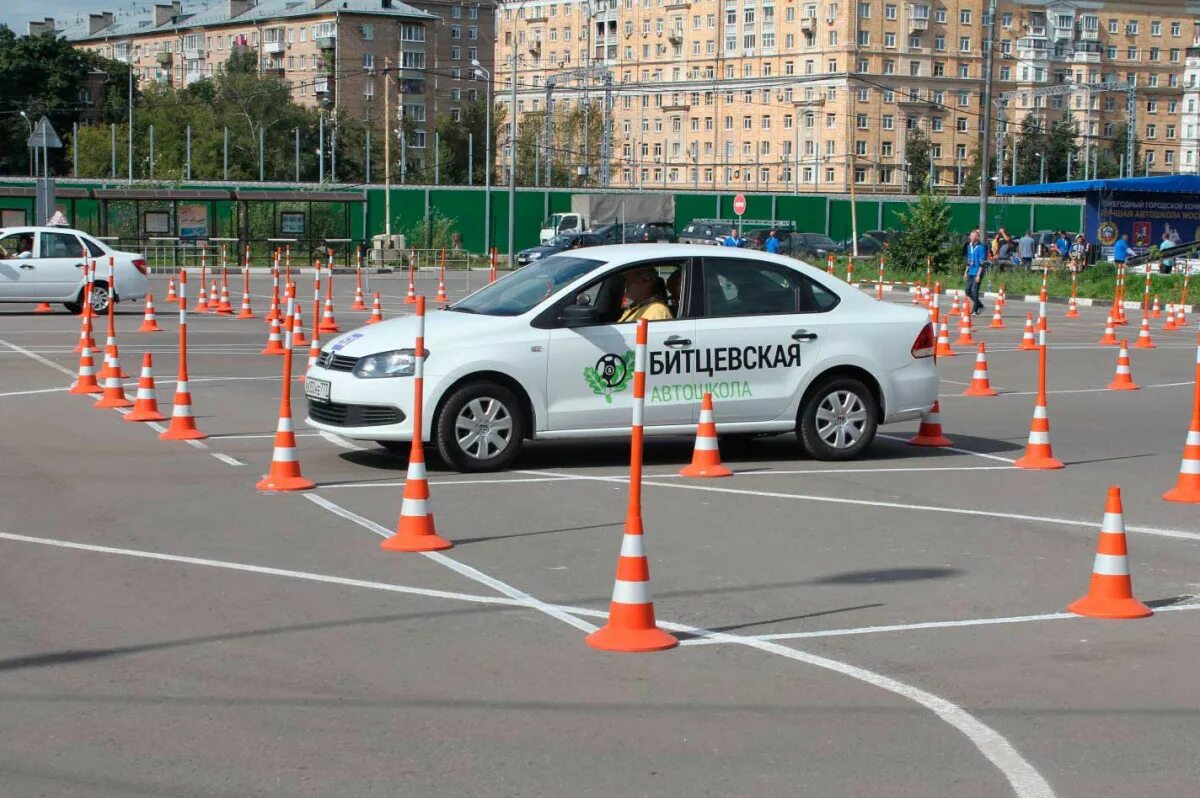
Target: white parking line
column 953, row 449
column 338, row 440
column 224, row 458
column 38, row 358
column 1065, row 390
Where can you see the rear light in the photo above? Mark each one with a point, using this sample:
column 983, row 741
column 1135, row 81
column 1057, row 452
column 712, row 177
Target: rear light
column 140, row 265
column 923, row 346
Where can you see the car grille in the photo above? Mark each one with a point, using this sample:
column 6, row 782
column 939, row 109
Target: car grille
column 342, row 415
column 328, row 360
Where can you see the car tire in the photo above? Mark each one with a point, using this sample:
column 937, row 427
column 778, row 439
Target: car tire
column 74, row 308
column 100, row 297
column 839, row 420
column 456, row 430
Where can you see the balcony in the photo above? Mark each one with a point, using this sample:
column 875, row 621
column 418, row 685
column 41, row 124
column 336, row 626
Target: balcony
column 535, row 48
column 326, row 42
column 274, row 48
column 321, row 86
column 675, row 35
column 808, row 24
column 193, row 54
column 1089, row 35
column 163, row 58
column 192, row 77
column 918, row 23
column 274, row 71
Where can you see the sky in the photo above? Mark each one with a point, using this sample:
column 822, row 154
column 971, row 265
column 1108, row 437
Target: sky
column 17, row 13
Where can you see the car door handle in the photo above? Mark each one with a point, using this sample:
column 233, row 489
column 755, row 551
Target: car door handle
column 675, row 340
column 27, row 266
column 804, row 335
column 80, row 265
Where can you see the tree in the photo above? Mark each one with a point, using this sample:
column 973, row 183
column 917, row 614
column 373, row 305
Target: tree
column 924, row 232
column 917, row 152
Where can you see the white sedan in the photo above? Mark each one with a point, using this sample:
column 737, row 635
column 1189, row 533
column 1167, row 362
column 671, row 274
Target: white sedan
column 540, row 355
column 45, row 264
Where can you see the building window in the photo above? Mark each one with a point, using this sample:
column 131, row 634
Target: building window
column 473, row 33
column 964, row 44
column 861, row 121
column 456, row 31
column 964, row 16
column 368, row 32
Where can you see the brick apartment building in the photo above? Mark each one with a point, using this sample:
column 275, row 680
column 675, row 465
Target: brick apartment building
column 331, row 52
column 755, row 94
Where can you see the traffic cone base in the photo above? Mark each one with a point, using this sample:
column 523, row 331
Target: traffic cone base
column 1109, row 608
column 1036, row 462
column 930, row 431
column 144, row 415
column 634, row 640
column 181, row 433
column 43, row 307
column 114, row 395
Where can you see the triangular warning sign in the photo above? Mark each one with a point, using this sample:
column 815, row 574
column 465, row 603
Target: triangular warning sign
column 44, row 136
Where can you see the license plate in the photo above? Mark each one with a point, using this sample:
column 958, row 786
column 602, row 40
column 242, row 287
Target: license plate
column 316, row 389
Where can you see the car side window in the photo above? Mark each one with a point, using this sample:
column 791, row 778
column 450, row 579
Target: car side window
column 607, row 294
column 59, row 245
column 12, row 243
column 750, row 288
column 95, row 249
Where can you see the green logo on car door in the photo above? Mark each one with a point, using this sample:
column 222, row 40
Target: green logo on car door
column 610, row 374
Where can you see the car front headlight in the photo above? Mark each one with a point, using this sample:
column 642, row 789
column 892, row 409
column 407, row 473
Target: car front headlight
column 534, row 255
column 396, row 363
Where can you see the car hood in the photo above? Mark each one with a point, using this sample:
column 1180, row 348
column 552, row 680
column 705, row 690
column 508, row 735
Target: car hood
column 401, row 333
column 545, row 249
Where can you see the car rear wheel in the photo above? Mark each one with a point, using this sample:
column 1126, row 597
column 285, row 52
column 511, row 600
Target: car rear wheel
column 481, row 427
column 99, row 298
column 839, row 419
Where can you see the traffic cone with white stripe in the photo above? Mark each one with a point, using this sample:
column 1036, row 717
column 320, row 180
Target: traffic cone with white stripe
column 918, row 291
column 1043, row 322
column 997, row 319
column 1144, row 341
column 829, row 264
column 1180, row 317
column 943, row 341
column 284, row 473
column 954, row 309
column 246, row 312
column 1187, row 488
column 113, row 394
column 965, row 337
column 150, row 320
column 224, row 308
column 298, row 336
column 85, row 382
column 415, row 530
column 214, row 302
column 1002, row 299
column 274, row 340
column 358, row 303
column 980, row 385
column 328, row 322
column 202, row 303
column 706, row 457
column 930, row 431
column 411, row 297
column 1072, row 308
column 171, row 295
column 85, row 332
column 1156, row 310
column 1110, row 336
column 183, row 423
column 1110, row 593
column 1038, row 453
column 1123, row 379
column 376, row 310
column 1169, row 324
column 112, row 359
column 145, row 406
column 314, row 352
column 1028, row 341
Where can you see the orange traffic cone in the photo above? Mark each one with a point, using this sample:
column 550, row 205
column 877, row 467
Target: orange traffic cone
column 202, row 304
column 1038, row 452
column 314, row 352
column 1156, row 311
column 298, row 337
column 358, row 303
column 1187, row 488
column 86, row 381
column 997, row 319
column 112, row 359
column 171, row 295
column 114, row 394
column 1110, row 594
column 224, row 308
column 706, row 457
column 85, row 332
column 183, row 424
column 145, row 408
column 43, row 307
column 1002, row 299
column 943, row 342
column 214, row 302
column 1180, row 317
column 274, row 340
column 411, row 297
column 954, row 309
column 284, row 473
column 150, row 320
column 980, row 385
column 415, row 530
column 1072, row 308
column 1144, row 341
column 964, row 331
column 328, row 323
column 376, row 311
column 1028, row 342
column 1169, row 324
column 1123, row 379
column 930, row 431
column 1110, row 336
column 1043, row 322
column 246, row 312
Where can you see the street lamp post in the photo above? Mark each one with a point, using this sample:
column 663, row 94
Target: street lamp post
column 512, row 156
column 487, row 175
column 32, row 151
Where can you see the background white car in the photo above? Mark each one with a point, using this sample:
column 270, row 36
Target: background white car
column 54, row 270
column 780, row 345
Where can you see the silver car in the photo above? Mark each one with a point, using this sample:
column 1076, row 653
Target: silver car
column 46, row 264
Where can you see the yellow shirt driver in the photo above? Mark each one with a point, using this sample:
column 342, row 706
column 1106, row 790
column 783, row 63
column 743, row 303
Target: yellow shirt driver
column 647, row 295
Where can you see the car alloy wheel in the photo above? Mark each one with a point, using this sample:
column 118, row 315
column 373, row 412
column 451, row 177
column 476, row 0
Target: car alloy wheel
column 841, row 419
column 483, row 428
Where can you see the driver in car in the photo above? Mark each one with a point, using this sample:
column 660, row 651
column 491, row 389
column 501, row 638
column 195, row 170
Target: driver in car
column 24, row 248
column 647, row 295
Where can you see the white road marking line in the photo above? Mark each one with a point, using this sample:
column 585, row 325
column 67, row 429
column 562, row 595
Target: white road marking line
column 1025, row 780
column 39, row 358
column 432, row 482
column 224, row 458
column 953, row 449
column 1040, row 519
column 909, row 627
column 31, row 393
column 1066, row 390
column 262, row 434
column 262, row 569
column 338, row 440
column 460, row 568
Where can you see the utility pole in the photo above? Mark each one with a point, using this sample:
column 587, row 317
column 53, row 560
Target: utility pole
column 129, row 54
column 548, row 133
column 989, row 42
column 853, row 209
column 387, row 151
column 512, row 154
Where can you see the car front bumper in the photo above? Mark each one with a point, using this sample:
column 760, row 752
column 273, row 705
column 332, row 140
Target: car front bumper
column 374, row 410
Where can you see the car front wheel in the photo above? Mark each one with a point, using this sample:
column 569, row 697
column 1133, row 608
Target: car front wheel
column 839, row 419
column 481, row 427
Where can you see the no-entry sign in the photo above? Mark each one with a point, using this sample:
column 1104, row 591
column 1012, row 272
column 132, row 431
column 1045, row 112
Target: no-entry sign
column 739, row 204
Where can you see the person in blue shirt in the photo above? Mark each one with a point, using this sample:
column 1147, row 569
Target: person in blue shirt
column 976, row 266
column 1121, row 250
column 730, row 240
column 1062, row 245
column 772, row 243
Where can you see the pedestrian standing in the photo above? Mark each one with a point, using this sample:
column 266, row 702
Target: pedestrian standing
column 976, row 265
column 1078, row 253
column 1025, row 250
column 772, row 243
column 1121, row 250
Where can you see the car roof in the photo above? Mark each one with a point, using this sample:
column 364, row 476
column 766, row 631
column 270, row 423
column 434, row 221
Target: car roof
column 621, row 254
column 37, row 229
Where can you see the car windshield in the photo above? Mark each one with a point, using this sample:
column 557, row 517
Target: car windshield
column 560, row 241
column 524, row 290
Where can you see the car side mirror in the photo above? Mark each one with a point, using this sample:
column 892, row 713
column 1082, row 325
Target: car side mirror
column 575, row 315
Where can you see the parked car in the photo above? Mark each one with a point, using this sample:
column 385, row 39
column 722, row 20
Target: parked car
column 706, row 232
column 812, row 246
column 651, row 232
column 868, row 245
column 558, row 244
column 540, row 355
column 53, row 269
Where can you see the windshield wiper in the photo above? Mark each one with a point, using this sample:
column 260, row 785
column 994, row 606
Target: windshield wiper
column 462, row 309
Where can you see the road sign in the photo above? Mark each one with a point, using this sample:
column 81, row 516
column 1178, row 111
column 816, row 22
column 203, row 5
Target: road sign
column 44, row 136
column 739, row 204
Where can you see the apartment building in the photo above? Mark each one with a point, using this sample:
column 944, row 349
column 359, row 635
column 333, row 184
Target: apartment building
column 803, row 95
column 331, row 52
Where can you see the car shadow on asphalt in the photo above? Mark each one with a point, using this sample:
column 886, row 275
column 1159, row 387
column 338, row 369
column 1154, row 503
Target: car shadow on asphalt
column 768, row 621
